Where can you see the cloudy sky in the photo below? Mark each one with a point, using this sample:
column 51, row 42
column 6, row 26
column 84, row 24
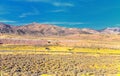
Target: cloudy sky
column 95, row 14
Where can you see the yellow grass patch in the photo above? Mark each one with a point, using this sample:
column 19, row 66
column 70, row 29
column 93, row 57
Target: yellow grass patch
column 37, row 49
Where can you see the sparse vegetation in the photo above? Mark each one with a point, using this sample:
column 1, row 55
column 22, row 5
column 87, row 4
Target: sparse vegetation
column 49, row 49
column 60, row 65
column 91, row 55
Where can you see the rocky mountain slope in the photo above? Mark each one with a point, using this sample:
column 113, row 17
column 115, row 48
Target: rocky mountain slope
column 4, row 28
column 42, row 30
column 35, row 29
column 115, row 30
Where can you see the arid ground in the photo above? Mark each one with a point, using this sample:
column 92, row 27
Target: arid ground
column 60, row 65
column 78, row 55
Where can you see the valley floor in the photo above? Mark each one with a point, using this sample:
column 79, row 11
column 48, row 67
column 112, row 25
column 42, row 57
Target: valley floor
column 60, row 65
column 76, row 55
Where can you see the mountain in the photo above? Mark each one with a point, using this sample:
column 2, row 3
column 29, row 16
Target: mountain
column 4, row 28
column 90, row 31
column 44, row 30
column 36, row 29
column 115, row 30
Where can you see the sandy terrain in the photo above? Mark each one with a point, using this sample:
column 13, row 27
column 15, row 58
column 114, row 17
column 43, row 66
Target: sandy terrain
column 60, row 65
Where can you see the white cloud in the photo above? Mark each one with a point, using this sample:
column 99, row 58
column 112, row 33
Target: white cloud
column 58, row 4
column 8, row 21
column 86, row 0
column 52, row 23
column 52, row 2
column 27, row 14
column 33, row 0
column 70, row 23
column 59, row 10
column 34, row 12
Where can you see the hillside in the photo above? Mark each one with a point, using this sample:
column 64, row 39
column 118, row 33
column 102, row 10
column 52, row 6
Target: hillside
column 36, row 29
column 115, row 30
column 42, row 30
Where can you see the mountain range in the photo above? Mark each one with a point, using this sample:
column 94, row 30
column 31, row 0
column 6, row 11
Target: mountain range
column 36, row 29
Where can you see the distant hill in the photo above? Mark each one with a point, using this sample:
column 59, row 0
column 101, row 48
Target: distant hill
column 114, row 30
column 36, row 29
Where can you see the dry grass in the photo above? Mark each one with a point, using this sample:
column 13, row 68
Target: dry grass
column 12, row 49
column 61, row 65
column 78, row 55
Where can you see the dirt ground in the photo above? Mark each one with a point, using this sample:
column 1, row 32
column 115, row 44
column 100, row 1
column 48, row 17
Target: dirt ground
column 60, row 65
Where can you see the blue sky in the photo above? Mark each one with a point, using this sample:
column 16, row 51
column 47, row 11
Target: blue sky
column 95, row 14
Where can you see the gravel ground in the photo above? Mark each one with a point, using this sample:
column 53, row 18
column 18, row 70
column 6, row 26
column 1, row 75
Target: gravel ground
column 60, row 65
